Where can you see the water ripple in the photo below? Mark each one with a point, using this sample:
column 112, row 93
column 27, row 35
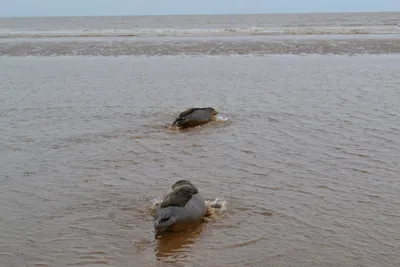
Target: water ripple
column 307, row 161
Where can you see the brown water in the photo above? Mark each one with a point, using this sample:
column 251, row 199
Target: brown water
column 307, row 162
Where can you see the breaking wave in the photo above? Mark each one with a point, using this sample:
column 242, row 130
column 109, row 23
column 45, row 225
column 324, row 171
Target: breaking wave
column 171, row 32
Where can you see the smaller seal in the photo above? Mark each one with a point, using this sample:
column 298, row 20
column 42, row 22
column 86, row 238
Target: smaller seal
column 193, row 117
column 182, row 205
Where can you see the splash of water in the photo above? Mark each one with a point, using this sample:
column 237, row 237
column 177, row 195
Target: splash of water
column 219, row 117
column 215, row 208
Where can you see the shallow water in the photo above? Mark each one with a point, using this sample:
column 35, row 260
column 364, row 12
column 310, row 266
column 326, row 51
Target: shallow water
column 307, row 161
column 203, row 25
column 260, row 34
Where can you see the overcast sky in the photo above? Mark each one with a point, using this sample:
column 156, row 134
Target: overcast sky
column 15, row 8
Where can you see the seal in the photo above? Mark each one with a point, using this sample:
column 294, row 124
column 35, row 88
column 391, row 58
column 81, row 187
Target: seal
column 183, row 205
column 193, row 117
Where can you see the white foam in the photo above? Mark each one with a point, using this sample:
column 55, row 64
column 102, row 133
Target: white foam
column 219, row 117
column 154, row 202
column 222, row 203
column 7, row 33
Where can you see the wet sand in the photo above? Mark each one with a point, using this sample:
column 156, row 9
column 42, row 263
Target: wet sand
column 173, row 46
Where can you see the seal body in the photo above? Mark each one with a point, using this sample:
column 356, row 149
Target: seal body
column 183, row 205
column 194, row 117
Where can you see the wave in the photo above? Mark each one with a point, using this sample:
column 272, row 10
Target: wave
column 159, row 32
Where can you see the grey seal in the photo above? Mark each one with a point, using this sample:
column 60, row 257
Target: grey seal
column 194, row 117
column 183, row 205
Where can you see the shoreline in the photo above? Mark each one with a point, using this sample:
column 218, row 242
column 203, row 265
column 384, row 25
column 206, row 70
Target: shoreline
column 206, row 33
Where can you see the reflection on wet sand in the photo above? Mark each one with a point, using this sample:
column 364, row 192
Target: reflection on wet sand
column 172, row 246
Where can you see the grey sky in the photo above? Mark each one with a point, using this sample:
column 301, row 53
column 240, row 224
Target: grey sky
column 10, row 8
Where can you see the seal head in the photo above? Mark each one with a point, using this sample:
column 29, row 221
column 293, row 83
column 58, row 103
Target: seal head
column 164, row 219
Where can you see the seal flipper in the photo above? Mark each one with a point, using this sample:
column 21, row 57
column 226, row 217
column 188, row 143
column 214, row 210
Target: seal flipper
column 181, row 118
column 179, row 196
column 180, row 121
